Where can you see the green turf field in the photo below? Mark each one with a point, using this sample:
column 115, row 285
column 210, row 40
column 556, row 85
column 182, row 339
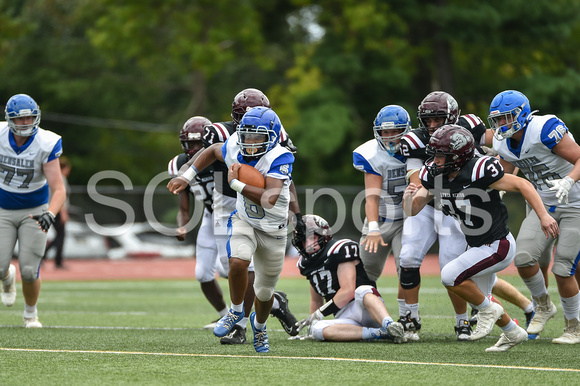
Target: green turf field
column 149, row 332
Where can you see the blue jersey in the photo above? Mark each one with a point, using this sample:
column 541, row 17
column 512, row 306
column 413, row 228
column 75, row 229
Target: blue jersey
column 535, row 158
column 276, row 163
column 371, row 158
column 22, row 182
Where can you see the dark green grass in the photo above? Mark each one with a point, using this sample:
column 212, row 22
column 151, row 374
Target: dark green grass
column 149, row 332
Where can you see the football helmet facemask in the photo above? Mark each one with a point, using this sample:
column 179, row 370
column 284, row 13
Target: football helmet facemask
column 455, row 143
column 437, row 104
column 191, row 133
column 258, row 132
column 315, row 225
column 395, row 119
column 245, row 100
column 508, row 113
column 19, row 106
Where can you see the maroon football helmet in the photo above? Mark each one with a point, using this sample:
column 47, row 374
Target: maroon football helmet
column 438, row 104
column 314, row 225
column 191, row 133
column 246, row 99
column 453, row 141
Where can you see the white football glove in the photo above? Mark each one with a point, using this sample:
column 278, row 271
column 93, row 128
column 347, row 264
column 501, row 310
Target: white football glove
column 310, row 320
column 562, row 188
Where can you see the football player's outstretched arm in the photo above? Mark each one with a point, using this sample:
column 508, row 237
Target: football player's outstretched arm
column 415, row 198
column 512, row 183
column 205, row 158
column 373, row 185
column 266, row 197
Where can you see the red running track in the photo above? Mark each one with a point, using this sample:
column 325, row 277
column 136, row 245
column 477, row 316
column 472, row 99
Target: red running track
column 161, row 268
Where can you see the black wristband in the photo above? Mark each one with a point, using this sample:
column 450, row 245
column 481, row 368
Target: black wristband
column 329, row 308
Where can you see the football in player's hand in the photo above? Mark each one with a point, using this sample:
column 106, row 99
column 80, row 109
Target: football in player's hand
column 251, row 176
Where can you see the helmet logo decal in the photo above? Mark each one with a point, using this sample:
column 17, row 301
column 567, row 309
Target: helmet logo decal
column 458, row 141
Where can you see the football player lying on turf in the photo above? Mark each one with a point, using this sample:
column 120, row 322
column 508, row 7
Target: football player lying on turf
column 467, row 187
column 358, row 309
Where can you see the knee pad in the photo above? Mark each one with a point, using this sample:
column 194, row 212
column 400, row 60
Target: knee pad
column 410, row 278
column 263, row 294
column 361, row 291
column 447, row 277
column 28, row 274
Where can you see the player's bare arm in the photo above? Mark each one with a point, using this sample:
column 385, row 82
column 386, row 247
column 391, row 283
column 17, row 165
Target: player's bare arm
column 53, row 176
column 316, row 300
column 570, row 151
column 294, row 204
column 266, row 197
column 373, row 185
column 512, row 183
column 205, row 158
column 415, row 198
column 508, row 167
column 346, row 273
column 182, row 215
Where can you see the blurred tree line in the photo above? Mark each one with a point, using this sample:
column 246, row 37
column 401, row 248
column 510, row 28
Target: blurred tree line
column 117, row 79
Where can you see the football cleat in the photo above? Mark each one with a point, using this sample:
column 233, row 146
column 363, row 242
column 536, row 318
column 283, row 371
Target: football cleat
column 473, row 318
column 9, row 290
column 227, row 322
column 463, row 331
column 529, row 316
column 508, row 340
column 236, row 336
column 283, row 314
column 571, row 333
column 211, row 326
column 32, row 322
column 486, row 319
column 261, row 342
column 412, row 327
column 544, row 311
column 394, row 331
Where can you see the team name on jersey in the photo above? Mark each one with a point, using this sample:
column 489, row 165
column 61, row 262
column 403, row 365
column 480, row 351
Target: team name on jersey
column 526, row 162
column 12, row 161
column 396, row 173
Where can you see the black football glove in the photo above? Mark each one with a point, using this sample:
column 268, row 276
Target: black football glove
column 44, row 220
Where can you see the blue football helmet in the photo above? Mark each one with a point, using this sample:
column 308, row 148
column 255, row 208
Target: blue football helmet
column 391, row 117
column 22, row 105
column 508, row 113
column 258, row 132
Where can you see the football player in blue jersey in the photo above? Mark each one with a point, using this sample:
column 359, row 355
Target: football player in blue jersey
column 466, row 187
column 258, row 226
column 31, row 169
column 546, row 152
column 340, row 286
column 384, row 170
column 224, row 203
